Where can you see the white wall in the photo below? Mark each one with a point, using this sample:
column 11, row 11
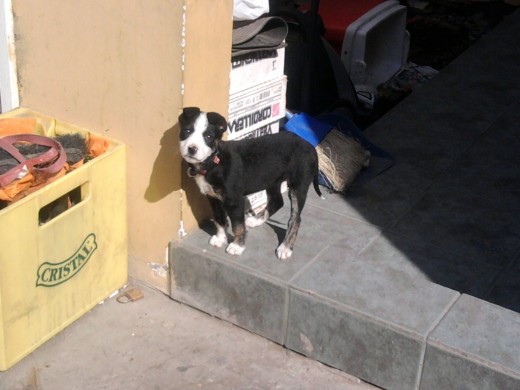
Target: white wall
column 8, row 80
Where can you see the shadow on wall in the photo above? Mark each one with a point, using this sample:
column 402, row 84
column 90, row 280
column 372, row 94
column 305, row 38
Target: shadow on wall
column 165, row 177
column 163, row 180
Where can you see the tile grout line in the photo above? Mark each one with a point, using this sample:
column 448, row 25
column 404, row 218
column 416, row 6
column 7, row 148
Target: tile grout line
column 443, row 314
column 435, row 324
column 371, row 242
column 285, row 325
column 392, row 224
column 308, row 265
column 206, row 255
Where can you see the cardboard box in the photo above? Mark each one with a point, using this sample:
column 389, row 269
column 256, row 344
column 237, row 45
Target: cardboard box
column 255, row 68
column 256, row 107
column 270, row 128
column 54, row 271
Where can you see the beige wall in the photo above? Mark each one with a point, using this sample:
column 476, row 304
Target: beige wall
column 115, row 67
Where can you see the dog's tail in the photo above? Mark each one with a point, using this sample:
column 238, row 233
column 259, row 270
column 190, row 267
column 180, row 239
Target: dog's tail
column 316, row 185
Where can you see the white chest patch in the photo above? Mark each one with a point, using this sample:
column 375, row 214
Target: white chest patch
column 206, row 188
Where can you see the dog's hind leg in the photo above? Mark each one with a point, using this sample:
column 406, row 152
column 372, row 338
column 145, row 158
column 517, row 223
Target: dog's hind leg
column 235, row 211
column 274, row 203
column 284, row 251
column 220, row 220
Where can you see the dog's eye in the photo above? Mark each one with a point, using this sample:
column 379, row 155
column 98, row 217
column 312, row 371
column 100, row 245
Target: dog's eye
column 208, row 136
column 188, row 130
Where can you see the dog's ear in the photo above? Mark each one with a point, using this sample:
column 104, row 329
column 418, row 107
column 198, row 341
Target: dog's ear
column 218, row 121
column 188, row 113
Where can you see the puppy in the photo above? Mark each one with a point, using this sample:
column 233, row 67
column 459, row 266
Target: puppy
column 226, row 171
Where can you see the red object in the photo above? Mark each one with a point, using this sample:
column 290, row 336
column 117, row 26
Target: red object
column 337, row 15
column 52, row 160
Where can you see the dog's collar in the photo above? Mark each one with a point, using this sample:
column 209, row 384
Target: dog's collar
column 212, row 161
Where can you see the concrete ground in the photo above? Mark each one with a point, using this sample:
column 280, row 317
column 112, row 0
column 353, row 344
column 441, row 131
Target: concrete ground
column 157, row 343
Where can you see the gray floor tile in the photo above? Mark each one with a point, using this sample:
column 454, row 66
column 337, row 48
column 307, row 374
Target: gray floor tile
column 486, row 71
column 318, row 229
column 321, row 227
column 489, row 331
column 380, row 201
column 432, row 263
column 443, row 370
column 381, row 289
column 502, row 140
column 506, row 289
column 228, row 292
column 428, row 137
column 475, row 346
column 479, row 96
column 353, row 343
column 485, row 176
column 470, row 226
column 259, row 256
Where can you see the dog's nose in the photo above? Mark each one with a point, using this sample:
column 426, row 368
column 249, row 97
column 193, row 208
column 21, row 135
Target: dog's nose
column 192, row 149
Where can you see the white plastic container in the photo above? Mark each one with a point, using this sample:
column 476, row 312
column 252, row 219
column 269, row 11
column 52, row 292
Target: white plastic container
column 375, row 47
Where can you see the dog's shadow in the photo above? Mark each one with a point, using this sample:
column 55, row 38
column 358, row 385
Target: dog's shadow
column 162, row 182
column 278, row 230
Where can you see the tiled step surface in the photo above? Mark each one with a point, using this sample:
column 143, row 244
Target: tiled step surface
column 476, row 346
column 413, row 280
column 376, row 319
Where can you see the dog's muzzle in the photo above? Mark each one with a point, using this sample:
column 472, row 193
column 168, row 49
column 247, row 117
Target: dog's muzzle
column 192, row 150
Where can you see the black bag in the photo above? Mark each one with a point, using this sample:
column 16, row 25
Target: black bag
column 317, row 81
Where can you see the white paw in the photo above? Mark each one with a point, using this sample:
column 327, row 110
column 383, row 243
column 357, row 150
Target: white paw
column 254, row 221
column 235, row 249
column 217, row 240
column 283, row 252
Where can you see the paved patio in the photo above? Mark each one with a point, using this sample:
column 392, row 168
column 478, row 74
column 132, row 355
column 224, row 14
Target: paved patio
column 156, row 343
column 412, row 280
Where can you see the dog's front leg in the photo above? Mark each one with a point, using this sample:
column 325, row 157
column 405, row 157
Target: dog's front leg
column 220, row 219
column 235, row 211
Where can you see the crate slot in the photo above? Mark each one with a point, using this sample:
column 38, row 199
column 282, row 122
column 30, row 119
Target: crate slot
column 65, row 202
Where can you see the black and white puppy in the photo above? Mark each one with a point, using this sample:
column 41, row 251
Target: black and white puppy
column 226, row 171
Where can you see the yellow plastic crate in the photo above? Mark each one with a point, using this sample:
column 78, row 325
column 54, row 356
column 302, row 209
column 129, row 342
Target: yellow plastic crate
column 52, row 273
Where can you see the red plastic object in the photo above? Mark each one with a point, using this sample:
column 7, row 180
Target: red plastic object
column 337, row 15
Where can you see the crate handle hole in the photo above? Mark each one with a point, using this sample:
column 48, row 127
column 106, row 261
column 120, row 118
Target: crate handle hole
column 63, row 203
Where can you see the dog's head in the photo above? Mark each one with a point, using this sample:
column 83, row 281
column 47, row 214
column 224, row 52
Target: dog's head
column 200, row 133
